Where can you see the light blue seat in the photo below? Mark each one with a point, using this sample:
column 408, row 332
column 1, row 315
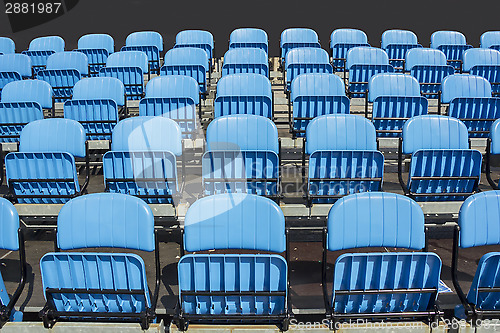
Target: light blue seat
column 341, row 41
column 63, row 71
column 189, row 61
column 442, row 167
column 314, row 95
column 429, row 67
column 129, row 67
column 485, row 63
column 97, row 48
column 7, row 46
column 245, row 60
column 248, row 37
column 303, row 60
column 234, row 288
column 297, row 37
column 44, row 171
column 83, row 286
column 244, row 94
column 142, row 160
column 96, row 104
column 196, row 38
column 491, row 40
column 396, row 43
column 343, row 157
column 242, row 156
column 14, row 67
column 469, row 99
column 174, row 97
column 385, row 285
column 41, row 48
column 396, row 98
column 363, row 63
column 478, row 225
column 149, row 42
column 453, row 44
column 12, row 239
column 492, row 148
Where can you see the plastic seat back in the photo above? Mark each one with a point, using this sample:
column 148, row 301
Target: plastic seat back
column 248, row 37
column 363, row 63
column 196, row 38
column 7, row 46
column 298, row 37
column 245, row 60
column 464, row 85
column 495, row 137
column 342, row 40
column 173, row 86
column 396, row 43
column 189, row 61
column 15, row 62
column 97, row 48
column 480, row 57
column 149, row 42
column 491, row 40
column 129, row 67
column 41, row 48
column 305, row 60
column 388, row 84
column 453, row 44
column 28, row 91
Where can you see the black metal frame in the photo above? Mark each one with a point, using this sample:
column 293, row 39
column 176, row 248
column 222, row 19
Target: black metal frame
column 50, row 316
column 6, row 310
column 432, row 315
column 182, row 320
column 487, row 157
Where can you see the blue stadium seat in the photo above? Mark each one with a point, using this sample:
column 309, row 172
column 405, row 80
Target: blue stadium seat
column 491, row 40
column 97, row 48
column 242, row 156
column 96, row 104
column 12, row 239
column 41, row 48
column 110, row 286
column 485, row 63
column 343, row 157
column 429, row 67
column 44, row 171
column 314, row 95
column 129, row 67
column 244, row 94
column 7, row 46
column 396, row 98
column 442, row 167
column 453, row 44
column 297, row 37
column 63, row 70
column 14, row 67
column 363, row 63
column 149, row 42
column 255, row 287
column 382, row 285
column 248, row 37
column 174, row 97
column 196, row 38
column 478, row 225
column 492, row 148
column 142, row 160
column 245, row 60
column 303, row 60
column 341, row 41
column 469, row 99
column 189, row 61
column 396, row 43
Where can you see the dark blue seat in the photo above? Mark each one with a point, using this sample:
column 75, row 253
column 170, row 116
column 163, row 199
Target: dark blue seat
column 89, row 286
column 396, row 98
column 14, row 67
column 491, row 40
column 492, row 148
column 469, row 99
column 363, row 63
column 244, row 94
column 343, row 157
column 341, row 41
column 245, row 60
column 453, row 44
column 142, row 161
column 242, row 156
column 248, row 37
column 396, row 43
column 41, row 48
column 485, row 63
column 44, row 170
column 442, row 167
column 297, row 37
column 314, row 95
column 63, row 71
column 7, row 46
column 304, row 60
column 429, row 67
column 380, row 285
column 96, row 104
column 11, row 239
column 97, row 48
column 149, row 42
column 128, row 67
column 236, row 288
column 189, row 61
